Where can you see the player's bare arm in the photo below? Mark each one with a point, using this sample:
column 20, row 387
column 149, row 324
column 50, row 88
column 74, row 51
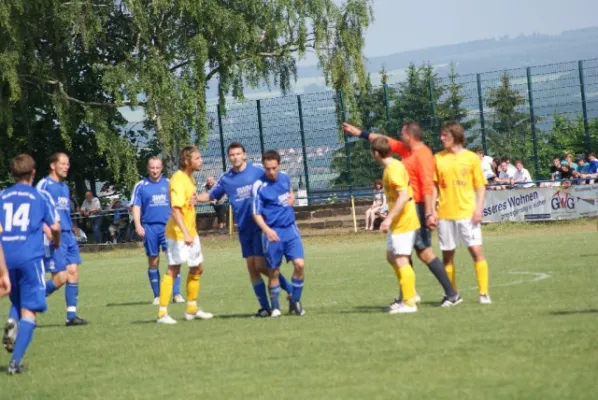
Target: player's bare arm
column 270, row 233
column 177, row 216
column 402, row 199
column 480, row 194
column 291, row 198
column 203, row 197
column 137, row 219
column 56, row 232
column 4, row 279
column 432, row 222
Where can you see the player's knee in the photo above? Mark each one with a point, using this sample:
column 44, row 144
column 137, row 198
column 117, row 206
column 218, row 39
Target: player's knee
column 426, row 255
column 153, row 262
column 299, row 264
column 60, row 278
column 274, row 273
column 72, row 273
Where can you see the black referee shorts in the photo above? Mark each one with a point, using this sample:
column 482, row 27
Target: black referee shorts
column 423, row 236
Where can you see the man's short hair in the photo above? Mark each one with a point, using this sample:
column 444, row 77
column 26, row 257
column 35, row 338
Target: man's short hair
column 22, row 167
column 456, row 130
column 518, row 162
column 55, row 157
column 414, row 129
column 381, row 145
column 556, row 158
column 154, row 158
column 591, row 155
column 185, row 155
column 235, row 145
column 271, row 155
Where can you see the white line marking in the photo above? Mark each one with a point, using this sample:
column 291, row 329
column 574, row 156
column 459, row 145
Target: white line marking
column 538, row 276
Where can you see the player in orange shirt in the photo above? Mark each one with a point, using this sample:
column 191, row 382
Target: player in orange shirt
column 419, row 162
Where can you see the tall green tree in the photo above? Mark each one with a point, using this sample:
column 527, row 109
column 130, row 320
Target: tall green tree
column 451, row 107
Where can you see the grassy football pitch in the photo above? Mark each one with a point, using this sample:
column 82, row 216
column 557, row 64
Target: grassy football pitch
column 538, row 340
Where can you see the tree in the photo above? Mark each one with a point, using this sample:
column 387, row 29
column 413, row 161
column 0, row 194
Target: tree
column 451, row 109
column 161, row 55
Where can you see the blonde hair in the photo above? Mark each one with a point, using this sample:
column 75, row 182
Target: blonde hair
column 185, row 155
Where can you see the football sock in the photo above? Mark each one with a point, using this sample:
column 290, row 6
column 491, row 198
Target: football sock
column 407, row 284
column 71, row 293
column 297, row 290
column 177, row 285
column 481, row 272
column 14, row 313
column 154, row 278
column 259, row 287
column 441, row 275
column 50, row 287
column 397, row 273
column 193, row 284
column 284, row 284
column 165, row 295
column 452, row 274
column 24, row 336
column 274, row 293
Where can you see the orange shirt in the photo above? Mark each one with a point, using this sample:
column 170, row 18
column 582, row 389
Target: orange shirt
column 420, row 166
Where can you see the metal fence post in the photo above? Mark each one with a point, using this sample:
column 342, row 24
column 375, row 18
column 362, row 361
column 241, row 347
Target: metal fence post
column 584, row 108
column 303, row 148
column 387, row 108
column 347, row 150
column 260, row 126
column 533, row 122
column 481, row 108
column 221, row 131
column 433, row 122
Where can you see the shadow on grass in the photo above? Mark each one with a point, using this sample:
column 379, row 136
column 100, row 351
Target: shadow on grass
column 48, row 326
column 235, row 316
column 132, row 303
column 574, row 312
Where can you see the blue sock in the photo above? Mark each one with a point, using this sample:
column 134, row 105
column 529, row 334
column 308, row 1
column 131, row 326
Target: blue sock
column 284, row 284
column 176, row 289
column 50, row 287
column 274, row 293
column 154, row 278
column 297, row 290
column 24, row 336
column 71, row 293
column 259, row 287
column 14, row 313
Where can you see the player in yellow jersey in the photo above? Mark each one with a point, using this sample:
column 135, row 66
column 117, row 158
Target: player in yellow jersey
column 461, row 192
column 182, row 238
column 401, row 224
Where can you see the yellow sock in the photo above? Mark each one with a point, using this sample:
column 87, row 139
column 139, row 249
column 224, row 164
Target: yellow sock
column 397, row 273
column 450, row 271
column 193, row 283
column 407, row 284
column 481, row 272
column 165, row 295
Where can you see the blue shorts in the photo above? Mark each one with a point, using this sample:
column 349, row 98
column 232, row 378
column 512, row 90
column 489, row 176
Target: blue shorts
column 290, row 246
column 56, row 260
column 154, row 239
column 28, row 285
column 251, row 243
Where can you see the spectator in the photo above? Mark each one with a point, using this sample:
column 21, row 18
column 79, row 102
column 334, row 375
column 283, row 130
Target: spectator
column 567, row 173
column 522, row 178
column 219, row 206
column 80, row 236
column 583, row 169
column 510, row 167
column 379, row 201
column 91, row 208
column 505, row 176
column 569, row 161
column 488, row 165
column 119, row 222
column 555, row 170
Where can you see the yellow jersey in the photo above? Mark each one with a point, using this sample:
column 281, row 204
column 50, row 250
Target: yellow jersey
column 182, row 188
column 396, row 178
column 457, row 175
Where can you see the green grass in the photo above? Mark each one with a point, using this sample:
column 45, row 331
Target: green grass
column 537, row 341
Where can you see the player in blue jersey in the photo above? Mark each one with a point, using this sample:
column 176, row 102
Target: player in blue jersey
column 237, row 183
column 151, row 210
column 280, row 236
column 23, row 212
column 63, row 262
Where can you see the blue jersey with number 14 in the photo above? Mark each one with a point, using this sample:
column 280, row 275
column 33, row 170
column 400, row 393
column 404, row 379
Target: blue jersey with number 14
column 23, row 211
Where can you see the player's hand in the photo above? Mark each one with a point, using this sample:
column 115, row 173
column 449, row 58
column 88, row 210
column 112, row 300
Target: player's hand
column 477, row 217
column 188, row 240
column 4, row 285
column 140, row 232
column 432, row 221
column 351, row 130
column 272, row 236
column 385, row 225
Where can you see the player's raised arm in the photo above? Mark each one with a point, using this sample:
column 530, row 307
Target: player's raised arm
column 396, row 146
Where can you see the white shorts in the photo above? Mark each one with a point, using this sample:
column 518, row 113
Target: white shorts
column 400, row 244
column 455, row 233
column 179, row 253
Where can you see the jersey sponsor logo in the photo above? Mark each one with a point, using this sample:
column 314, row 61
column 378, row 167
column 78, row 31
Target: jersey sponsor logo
column 62, row 203
column 159, row 199
column 283, row 199
column 244, row 192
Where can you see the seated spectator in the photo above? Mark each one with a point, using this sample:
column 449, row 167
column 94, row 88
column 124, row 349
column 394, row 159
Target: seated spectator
column 119, row 222
column 510, row 167
column 568, row 175
column 569, row 161
column 522, row 178
column 593, row 167
column 79, row 234
column 379, row 201
column 91, row 208
column 583, row 169
column 505, row 176
column 381, row 215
